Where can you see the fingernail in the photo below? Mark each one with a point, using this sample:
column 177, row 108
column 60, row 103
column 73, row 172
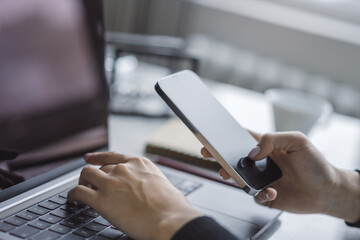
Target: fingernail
column 255, row 151
column 87, row 156
column 268, row 197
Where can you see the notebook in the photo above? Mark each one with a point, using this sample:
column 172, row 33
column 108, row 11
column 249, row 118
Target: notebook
column 174, row 140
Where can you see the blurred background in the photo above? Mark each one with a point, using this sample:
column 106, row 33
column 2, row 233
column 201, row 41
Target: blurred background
column 310, row 45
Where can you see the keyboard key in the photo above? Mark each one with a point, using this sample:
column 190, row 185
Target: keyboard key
column 184, row 192
column 84, row 232
column 47, row 235
column 49, row 205
column 27, row 215
column 5, row 227
column 188, row 185
column 111, row 233
column 58, row 200
column 16, row 221
column 82, row 205
column 102, row 221
column 174, row 180
column 38, row 210
column 95, row 226
column 72, row 237
column 50, row 218
column 39, row 224
column 70, row 207
column 64, row 194
column 90, row 212
column 61, row 213
column 25, row 231
column 81, row 218
column 60, row 229
column 70, row 223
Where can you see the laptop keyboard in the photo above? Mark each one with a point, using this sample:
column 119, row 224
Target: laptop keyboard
column 55, row 218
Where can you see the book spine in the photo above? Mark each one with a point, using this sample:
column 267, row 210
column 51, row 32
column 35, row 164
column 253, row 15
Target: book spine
column 200, row 172
column 193, row 160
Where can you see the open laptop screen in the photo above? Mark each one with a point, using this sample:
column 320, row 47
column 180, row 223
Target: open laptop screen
column 53, row 95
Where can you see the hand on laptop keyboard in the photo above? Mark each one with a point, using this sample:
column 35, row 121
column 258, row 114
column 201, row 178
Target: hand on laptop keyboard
column 55, row 218
column 128, row 190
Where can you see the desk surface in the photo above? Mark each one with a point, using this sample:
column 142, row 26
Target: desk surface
column 338, row 140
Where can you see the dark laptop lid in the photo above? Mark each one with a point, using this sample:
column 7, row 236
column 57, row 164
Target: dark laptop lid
column 53, row 93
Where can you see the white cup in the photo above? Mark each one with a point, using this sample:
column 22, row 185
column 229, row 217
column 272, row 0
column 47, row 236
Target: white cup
column 296, row 110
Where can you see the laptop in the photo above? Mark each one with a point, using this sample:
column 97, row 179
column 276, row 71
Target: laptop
column 53, row 109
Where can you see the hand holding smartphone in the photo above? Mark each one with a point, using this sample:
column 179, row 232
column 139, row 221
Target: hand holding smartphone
column 217, row 130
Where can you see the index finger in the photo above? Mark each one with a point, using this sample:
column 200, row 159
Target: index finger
column 105, row 158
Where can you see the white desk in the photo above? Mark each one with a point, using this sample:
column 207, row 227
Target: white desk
column 339, row 141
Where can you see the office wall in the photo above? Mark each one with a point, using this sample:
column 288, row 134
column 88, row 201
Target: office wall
column 316, row 54
column 301, row 54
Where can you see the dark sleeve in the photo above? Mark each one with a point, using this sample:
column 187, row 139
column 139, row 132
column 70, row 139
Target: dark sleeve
column 203, row 228
column 357, row 224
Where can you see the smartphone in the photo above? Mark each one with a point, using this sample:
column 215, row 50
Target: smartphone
column 227, row 141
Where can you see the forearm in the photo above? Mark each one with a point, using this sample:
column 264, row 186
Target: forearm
column 344, row 201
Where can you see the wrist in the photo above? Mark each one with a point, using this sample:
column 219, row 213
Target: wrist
column 343, row 201
column 173, row 222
